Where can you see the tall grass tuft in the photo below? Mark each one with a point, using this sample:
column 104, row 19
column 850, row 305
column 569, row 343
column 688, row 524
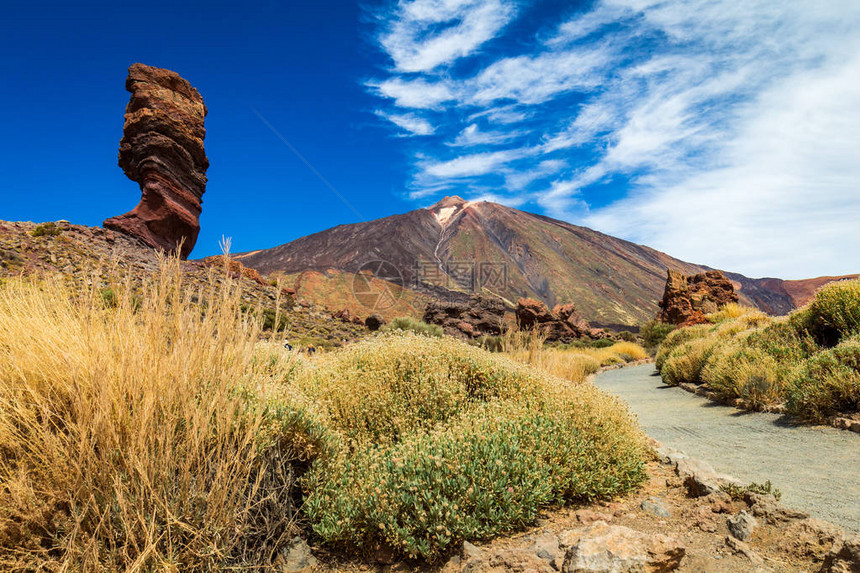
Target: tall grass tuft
column 133, row 430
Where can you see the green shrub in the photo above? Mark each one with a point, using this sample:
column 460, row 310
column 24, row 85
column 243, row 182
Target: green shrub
column 46, row 230
column 685, row 362
column 834, row 312
column 654, row 332
column 627, row 336
column 441, row 441
column 827, row 383
column 409, row 324
column 602, row 343
column 678, row 337
column 491, row 343
column 738, row 492
column 489, row 473
column 738, row 370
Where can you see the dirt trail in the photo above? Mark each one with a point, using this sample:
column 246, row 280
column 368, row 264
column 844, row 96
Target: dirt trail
column 816, row 468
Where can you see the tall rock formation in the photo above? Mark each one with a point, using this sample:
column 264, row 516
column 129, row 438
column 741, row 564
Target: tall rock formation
column 162, row 149
column 687, row 299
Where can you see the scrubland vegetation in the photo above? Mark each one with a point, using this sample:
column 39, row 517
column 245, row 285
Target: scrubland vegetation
column 156, row 431
column 571, row 363
column 808, row 361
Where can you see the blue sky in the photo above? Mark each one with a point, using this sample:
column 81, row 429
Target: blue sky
column 725, row 133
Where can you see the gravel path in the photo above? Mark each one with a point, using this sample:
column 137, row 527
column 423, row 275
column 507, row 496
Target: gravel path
column 816, row 468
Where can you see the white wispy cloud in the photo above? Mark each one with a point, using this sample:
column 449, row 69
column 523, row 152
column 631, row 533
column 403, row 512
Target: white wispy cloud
column 472, row 135
column 470, row 165
column 537, row 79
column 411, row 123
column 418, row 94
column 424, row 34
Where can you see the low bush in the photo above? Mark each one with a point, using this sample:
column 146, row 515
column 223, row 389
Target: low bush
column 409, row 324
column 676, row 338
column 686, row 361
column 828, row 383
column 738, row 492
column 442, row 441
column 46, row 230
column 654, row 332
column 834, row 313
column 808, row 360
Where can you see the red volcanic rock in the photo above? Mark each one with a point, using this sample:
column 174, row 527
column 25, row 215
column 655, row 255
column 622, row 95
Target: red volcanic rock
column 686, row 300
column 477, row 317
column 234, row 267
column 162, row 149
column 531, row 312
column 564, row 323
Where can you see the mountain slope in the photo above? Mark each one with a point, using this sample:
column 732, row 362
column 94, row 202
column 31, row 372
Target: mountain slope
column 456, row 247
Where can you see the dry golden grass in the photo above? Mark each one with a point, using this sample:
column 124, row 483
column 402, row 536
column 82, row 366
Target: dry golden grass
column 130, row 430
column 574, row 364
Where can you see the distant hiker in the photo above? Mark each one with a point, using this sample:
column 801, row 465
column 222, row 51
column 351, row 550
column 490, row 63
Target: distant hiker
column 311, row 350
column 288, row 346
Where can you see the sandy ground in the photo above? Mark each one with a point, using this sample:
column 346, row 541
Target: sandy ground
column 816, row 468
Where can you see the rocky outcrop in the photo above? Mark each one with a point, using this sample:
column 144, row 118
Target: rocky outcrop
column 687, row 299
column 233, row 267
column 162, row 150
column 345, row 315
column 563, row 323
column 478, row 316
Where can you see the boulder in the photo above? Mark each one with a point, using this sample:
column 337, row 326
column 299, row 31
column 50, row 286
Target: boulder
column 741, row 526
column 479, row 316
column 603, row 548
column 374, row 322
column 687, row 299
column 162, row 150
column 765, row 506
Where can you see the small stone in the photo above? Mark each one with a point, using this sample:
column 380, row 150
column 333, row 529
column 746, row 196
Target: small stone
column 656, row 507
column 741, row 525
column 705, row 519
column 588, row 516
column 297, row 556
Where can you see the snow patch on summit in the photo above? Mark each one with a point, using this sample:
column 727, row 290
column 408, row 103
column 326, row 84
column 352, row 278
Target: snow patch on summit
column 444, row 214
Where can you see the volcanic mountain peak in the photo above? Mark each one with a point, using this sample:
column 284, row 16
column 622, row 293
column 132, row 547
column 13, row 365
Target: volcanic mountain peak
column 445, row 209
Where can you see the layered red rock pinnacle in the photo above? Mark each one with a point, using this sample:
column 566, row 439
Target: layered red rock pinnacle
column 162, row 149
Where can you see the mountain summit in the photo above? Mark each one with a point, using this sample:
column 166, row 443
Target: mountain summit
column 457, row 247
